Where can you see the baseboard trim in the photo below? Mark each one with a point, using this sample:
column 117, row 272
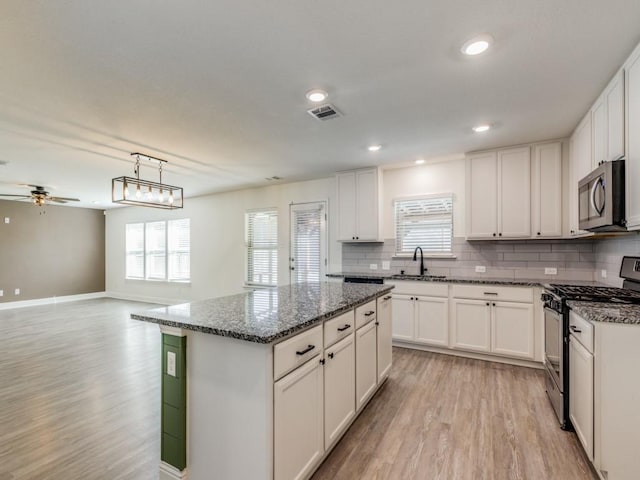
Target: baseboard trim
column 51, row 300
column 474, row 355
column 169, row 472
column 144, row 298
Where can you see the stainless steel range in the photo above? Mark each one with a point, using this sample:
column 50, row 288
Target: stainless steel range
column 556, row 320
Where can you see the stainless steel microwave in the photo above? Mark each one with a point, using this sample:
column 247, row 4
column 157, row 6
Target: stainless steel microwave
column 601, row 199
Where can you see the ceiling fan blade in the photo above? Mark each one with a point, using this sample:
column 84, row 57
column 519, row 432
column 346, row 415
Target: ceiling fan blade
column 55, row 200
column 16, row 196
column 63, row 199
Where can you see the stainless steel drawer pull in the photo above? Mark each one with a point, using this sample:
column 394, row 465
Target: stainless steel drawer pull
column 368, row 314
column 575, row 329
column 306, row 350
column 346, row 327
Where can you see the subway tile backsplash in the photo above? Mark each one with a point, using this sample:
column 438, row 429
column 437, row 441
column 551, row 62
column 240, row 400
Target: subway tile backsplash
column 608, row 256
column 574, row 259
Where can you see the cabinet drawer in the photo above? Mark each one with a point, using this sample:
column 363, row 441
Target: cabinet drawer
column 338, row 328
column 295, row 351
column 582, row 330
column 365, row 313
column 493, row 292
column 428, row 289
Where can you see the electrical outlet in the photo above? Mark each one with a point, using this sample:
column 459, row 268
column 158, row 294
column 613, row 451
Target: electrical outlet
column 16, row 291
column 7, row 220
column 373, row 266
column 386, row 265
column 171, row 364
column 481, row 269
column 550, row 271
column 603, row 273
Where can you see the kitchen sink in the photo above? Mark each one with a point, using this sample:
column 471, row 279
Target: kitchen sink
column 402, row 276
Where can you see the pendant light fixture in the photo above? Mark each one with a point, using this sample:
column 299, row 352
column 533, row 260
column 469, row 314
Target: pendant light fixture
column 145, row 193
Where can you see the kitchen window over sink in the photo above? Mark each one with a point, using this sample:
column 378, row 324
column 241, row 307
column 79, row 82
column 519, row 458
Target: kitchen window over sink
column 262, row 247
column 425, row 221
column 158, row 251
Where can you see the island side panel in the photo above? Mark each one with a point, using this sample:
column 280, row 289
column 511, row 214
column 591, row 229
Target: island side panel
column 230, row 408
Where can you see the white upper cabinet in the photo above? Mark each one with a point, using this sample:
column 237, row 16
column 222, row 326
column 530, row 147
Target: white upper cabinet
column 547, row 190
column 607, row 116
column 359, row 205
column 580, row 164
column 499, row 194
column 599, row 132
column 632, row 164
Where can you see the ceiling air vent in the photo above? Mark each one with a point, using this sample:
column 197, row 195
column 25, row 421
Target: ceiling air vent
column 324, row 112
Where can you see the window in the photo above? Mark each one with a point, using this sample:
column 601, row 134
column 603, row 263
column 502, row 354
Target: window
column 308, row 242
column 425, row 222
column 262, row 247
column 158, row 250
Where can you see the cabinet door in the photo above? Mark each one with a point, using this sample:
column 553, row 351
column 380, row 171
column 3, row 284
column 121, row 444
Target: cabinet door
column 402, row 318
column 581, row 397
column 383, row 317
column 367, row 205
column 514, row 193
column 366, row 363
column 482, row 196
column 346, row 205
column 339, row 389
column 432, row 321
column 298, row 422
column 599, row 132
column 471, row 325
column 581, row 158
column 614, row 97
column 512, row 327
column 632, row 164
column 547, row 195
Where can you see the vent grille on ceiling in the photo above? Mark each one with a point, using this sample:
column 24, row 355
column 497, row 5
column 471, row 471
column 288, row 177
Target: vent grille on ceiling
column 324, row 112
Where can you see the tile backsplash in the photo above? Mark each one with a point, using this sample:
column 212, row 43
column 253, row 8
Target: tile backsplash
column 609, row 253
column 574, row 259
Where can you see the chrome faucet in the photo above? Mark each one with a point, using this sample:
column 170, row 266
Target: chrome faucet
column 415, row 257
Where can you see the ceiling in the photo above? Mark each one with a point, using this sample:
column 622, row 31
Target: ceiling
column 218, row 88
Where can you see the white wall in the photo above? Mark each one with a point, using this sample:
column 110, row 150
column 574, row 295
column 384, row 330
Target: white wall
column 442, row 177
column 218, row 255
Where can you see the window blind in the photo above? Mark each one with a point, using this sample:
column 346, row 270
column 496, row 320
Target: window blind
column 179, row 249
column 306, row 242
column 262, row 247
column 424, row 222
column 134, row 247
column 156, row 250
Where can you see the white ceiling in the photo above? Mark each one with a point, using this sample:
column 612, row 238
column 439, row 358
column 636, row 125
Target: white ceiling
column 217, row 87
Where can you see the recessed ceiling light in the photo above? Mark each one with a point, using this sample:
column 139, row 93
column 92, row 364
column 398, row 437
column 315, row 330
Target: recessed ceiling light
column 374, row 148
column 420, row 161
column 477, row 45
column 481, row 128
column 317, row 95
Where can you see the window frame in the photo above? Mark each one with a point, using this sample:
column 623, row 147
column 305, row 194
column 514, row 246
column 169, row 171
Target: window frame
column 166, row 278
column 404, row 255
column 324, row 237
column 248, row 213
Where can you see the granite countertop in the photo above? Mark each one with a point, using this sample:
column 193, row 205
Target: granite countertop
column 265, row 315
column 607, row 312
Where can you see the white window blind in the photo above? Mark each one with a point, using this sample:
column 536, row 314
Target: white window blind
column 262, row 247
column 179, row 249
column 425, row 222
column 156, row 250
column 307, row 242
column 134, row 247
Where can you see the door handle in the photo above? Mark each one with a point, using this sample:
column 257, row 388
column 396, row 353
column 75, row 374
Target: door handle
column 594, row 190
column 306, row 350
column 368, row 314
column 575, row 329
column 346, row 327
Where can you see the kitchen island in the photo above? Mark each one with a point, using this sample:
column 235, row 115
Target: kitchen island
column 263, row 384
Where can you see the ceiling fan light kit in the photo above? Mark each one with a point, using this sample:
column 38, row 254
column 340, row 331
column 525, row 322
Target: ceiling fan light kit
column 145, row 193
column 39, row 196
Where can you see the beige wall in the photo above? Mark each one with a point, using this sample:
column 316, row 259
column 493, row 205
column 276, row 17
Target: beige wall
column 50, row 251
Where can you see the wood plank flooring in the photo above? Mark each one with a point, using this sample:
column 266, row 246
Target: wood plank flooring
column 444, row 417
column 80, row 390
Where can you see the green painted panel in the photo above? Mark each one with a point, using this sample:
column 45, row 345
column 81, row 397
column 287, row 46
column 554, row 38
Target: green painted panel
column 174, row 403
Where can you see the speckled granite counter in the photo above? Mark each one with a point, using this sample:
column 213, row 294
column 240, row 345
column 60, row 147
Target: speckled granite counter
column 469, row 280
column 265, row 315
column 607, row 312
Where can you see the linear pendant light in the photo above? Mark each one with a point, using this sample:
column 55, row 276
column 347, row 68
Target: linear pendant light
column 145, row 193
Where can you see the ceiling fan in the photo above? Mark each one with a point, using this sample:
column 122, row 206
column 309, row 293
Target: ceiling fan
column 39, row 196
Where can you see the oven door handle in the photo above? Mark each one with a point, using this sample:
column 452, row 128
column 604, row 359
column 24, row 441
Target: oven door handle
column 594, row 190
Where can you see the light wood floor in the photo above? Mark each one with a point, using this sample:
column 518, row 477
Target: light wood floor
column 80, row 389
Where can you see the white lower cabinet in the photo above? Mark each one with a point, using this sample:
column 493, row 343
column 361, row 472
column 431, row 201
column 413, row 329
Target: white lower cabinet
column 383, row 320
column 512, row 329
column 432, row 321
column 339, row 389
column 581, row 396
column 298, row 421
column 403, row 317
column 366, row 363
column 471, row 325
